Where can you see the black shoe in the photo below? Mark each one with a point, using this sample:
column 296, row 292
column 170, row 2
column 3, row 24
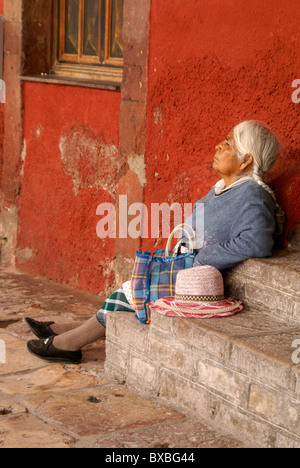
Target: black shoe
column 44, row 349
column 41, row 329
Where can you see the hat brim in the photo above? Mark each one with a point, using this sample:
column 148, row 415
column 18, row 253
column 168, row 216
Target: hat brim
column 197, row 310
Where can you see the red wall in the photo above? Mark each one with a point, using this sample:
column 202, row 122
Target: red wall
column 1, row 112
column 71, row 152
column 212, row 65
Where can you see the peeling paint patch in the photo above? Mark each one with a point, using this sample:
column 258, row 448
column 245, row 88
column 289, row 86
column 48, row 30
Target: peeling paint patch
column 23, row 156
column 39, row 131
column 91, row 162
column 106, row 268
column 157, row 115
column 23, row 255
column 137, row 164
column 9, row 221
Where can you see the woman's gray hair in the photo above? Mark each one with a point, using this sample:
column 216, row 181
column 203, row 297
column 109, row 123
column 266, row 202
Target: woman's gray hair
column 253, row 137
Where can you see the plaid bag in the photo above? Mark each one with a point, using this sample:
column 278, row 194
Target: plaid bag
column 154, row 276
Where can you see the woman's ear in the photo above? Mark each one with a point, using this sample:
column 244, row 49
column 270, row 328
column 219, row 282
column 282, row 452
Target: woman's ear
column 247, row 162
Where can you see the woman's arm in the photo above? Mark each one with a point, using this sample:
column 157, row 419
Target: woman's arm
column 251, row 237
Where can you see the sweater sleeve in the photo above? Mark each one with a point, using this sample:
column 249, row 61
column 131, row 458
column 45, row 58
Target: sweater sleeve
column 251, row 237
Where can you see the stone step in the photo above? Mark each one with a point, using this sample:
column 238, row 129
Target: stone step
column 239, row 372
column 271, row 285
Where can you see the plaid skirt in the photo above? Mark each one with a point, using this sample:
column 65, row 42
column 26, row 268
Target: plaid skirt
column 117, row 301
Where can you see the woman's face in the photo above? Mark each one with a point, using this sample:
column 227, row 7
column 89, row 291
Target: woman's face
column 226, row 161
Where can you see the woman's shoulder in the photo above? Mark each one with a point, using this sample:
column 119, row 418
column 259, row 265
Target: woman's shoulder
column 253, row 191
column 207, row 197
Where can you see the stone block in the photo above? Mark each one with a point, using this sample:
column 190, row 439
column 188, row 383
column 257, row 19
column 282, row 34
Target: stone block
column 182, row 329
column 284, row 279
column 114, row 374
column 268, row 299
column 168, row 388
column 161, row 322
column 287, row 441
column 124, row 328
column 116, row 409
column 263, row 359
column 255, row 268
column 213, row 344
column 198, row 336
column 143, row 374
column 262, row 402
column 237, row 421
column 217, row 412
column 187, row 395
column 288, row 415
column 270, row 284
column 296, row 311
column 45, row 379
column 175, row 357
column 28, row 431
column 222, row 380
column 296, row 373
column 117, row 358
column 16, row 356
column 235, row 285
column 173, row 434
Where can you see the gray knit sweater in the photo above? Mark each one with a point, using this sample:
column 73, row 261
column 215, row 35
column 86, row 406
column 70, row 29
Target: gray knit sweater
column 237, row 224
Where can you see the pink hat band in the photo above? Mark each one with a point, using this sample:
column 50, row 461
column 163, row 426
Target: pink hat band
column 199, row 293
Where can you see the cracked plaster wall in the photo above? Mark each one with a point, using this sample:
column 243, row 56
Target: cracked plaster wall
column 80, row 147
column 70, row 168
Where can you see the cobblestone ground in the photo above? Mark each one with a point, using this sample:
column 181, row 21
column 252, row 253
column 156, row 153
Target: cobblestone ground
column 45, row 405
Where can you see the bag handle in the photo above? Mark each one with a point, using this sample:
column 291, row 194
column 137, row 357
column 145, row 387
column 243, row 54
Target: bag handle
column 180, row 227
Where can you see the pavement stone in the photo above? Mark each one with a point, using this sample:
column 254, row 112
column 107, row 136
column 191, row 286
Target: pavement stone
column 51, row 405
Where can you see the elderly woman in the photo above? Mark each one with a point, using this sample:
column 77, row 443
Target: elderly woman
column 240, row 213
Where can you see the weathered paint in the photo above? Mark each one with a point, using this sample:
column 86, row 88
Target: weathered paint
column 80, row 147
column 12, row 143
column 1, row 113
column 89, row 161
column 213, row 64
column 70, row 168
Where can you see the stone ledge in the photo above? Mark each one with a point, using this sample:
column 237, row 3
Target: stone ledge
column 236, row 371
column 269, row 284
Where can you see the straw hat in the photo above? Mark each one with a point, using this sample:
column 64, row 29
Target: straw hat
column 199, row 293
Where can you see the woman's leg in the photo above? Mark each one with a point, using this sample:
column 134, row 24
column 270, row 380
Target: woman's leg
column 75, row 339
column 93, row 329
column 62, row 327
column 67, row 345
